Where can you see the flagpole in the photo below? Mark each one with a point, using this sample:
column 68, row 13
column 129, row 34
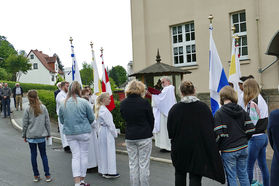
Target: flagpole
column 75, row 69
column 97, row 83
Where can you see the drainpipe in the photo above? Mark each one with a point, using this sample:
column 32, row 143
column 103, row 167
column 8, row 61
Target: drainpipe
column 258, row 44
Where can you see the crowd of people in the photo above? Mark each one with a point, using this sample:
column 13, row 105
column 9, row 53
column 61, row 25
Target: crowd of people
column 5, row 98
column 227, row 147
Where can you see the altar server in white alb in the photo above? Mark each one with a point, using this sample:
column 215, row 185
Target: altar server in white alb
column 60, row 98
column 106, row 134
column 93, row 150
column 162, row 103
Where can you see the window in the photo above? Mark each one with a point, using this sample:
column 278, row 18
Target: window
column 52, row 78
column 35, row 65
column 239, row 21
column 32, row 56
column 184, row 44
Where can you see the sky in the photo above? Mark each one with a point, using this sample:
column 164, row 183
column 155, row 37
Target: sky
column 47, row 25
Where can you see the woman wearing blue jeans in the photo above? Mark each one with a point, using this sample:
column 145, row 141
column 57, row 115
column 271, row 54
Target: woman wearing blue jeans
column 258, row 110
column 36, row 127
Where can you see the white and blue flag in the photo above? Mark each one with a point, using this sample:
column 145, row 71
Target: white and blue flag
column 75, row 69
column 217, row 76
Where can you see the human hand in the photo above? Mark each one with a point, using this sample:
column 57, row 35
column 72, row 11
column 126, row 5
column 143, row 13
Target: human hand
column 25, row 140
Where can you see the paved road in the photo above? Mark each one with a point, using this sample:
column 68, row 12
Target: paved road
column 15, row 165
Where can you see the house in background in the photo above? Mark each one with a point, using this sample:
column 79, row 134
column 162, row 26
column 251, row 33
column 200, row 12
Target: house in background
column 44, row 69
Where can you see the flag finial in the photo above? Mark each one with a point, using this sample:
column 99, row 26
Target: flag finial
column 91, row 44
column 233, row 29
column 210, row 17
column 71, row 40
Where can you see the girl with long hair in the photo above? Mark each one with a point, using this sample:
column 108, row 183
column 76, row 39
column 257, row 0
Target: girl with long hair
column 36, row 127
column 106, row 135
column 257, row 108
column 76, row 115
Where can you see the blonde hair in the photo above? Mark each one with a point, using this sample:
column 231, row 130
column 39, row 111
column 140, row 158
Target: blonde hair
column 135, row 87
column 34, row 102
column 187, row 88
column 74, row 91
column 228, row 93
column 100, row 102
column 251, row 90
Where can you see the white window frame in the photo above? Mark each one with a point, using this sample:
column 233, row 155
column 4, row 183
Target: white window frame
column 32, row 56
column 241, row 35
column 183, row 44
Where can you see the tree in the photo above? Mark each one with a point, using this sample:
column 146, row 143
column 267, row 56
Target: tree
column 6, row 49
column 86, row 74
column 60, row 66
column 118, row 74
column 4, row 75
column 16, row 65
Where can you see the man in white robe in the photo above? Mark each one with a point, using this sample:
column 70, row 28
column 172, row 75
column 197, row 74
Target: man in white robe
column 162, row 103
column 60, row 98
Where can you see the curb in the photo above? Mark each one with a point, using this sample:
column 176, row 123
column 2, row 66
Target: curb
column 58, row 140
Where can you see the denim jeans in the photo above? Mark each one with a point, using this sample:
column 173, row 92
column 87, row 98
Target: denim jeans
column 235, row 164
column 257, row 151
column 42, row 149
column 6, row 106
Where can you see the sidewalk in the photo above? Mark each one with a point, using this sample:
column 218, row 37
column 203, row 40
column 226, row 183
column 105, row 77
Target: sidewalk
column 16, row 118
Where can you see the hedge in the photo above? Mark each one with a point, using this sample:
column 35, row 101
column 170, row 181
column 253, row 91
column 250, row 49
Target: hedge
column 29, row 86
column 47, row 98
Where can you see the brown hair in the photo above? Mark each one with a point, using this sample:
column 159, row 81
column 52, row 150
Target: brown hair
column 74, row 91
column 251, row 90
column 135, row 87
column 187, row 88
column 100, row 102
column 34, row 102
column 228, row 93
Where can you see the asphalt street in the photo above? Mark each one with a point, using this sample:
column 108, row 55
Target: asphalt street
column 16, row 170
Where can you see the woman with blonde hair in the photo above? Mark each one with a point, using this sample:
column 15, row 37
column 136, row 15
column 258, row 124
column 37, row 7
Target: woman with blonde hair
column 76, row 115
column 36, row 127
column 139, row 120
column 106, row 134
column 257, row 109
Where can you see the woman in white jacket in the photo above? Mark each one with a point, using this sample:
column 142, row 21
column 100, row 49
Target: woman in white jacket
column 106, row 135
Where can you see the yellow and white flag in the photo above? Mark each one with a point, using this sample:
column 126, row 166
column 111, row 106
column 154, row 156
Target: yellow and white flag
column 97, row 82
column 234, row 72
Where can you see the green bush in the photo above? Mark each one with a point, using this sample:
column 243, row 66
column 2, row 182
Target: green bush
column 47, row 98
column 29, row 86
column 117, row 118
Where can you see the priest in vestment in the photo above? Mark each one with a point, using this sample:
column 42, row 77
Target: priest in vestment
column 161, row 104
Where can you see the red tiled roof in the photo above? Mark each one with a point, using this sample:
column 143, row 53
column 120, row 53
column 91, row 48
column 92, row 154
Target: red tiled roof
column 47, row 61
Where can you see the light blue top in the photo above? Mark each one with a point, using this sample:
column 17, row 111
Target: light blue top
column 36, row 140
column 76, row 116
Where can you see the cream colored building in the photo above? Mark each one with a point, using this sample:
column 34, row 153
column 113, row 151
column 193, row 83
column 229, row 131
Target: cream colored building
column 180, row 29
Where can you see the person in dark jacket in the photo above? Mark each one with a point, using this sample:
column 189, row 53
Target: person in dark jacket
column 6, row 95
column 233, row 128
column 193, row 146
column 139, row 119
column 273, row 134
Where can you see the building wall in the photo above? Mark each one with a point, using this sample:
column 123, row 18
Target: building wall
column 151, row 29
column 40, row 75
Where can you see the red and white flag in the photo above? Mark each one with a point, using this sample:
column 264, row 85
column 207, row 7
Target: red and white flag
column 106, row 84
